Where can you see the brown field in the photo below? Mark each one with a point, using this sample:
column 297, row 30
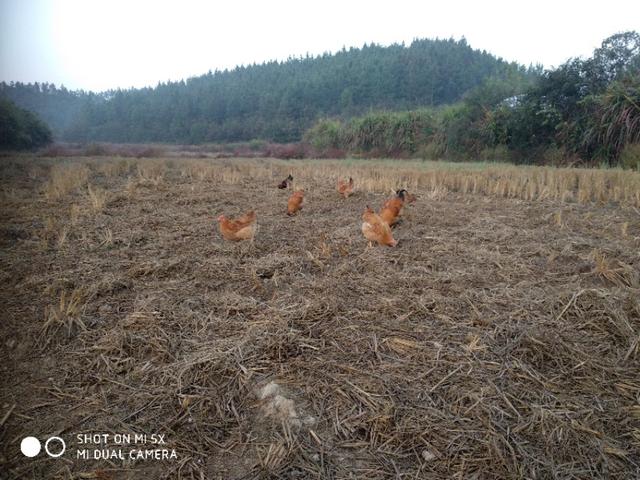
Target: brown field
column 499, row 339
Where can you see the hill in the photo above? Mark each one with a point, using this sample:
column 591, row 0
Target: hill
column 275, row 100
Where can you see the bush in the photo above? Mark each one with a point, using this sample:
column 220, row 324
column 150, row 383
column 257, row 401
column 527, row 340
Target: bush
column 630, row 157
column 377, row 134
column 554, row 156
column 499, row 153
column 324, row 135
column 431, row 151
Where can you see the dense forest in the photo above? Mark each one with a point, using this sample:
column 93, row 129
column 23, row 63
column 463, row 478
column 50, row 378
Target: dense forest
column 274, row 101
column 584, row 111
column 21, row 129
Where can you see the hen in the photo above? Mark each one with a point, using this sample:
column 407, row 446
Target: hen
column 376, row 230
column 295, row 202
column 392, row 208
column 285, row 183
column 242, row 228
column 399, row 199
column 345, row 188
column 390, row 214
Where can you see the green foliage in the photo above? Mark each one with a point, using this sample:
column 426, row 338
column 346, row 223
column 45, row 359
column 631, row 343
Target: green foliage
column 21, row 129
column 324, row 135
column 617, row 57
column 616, row 121
column 377, row 133
column 630, row 157
column 463, row 130
column 586, row 110
column 499, row 153
column 275, row 101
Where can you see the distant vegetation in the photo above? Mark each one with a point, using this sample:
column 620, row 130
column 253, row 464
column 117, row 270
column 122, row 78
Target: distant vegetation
column 586, row 110
column 20, row 129
column 432, row 99
column 275, row 101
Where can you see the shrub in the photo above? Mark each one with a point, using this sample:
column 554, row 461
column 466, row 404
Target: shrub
column 630, row 157
column 499, row 153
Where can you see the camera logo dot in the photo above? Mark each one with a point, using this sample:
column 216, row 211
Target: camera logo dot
column 55, row 454
column 30, row 446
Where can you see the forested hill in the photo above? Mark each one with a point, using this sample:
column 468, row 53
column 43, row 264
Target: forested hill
column 274, row 101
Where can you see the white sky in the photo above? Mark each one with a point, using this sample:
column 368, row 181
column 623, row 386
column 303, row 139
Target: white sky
column 98, row 45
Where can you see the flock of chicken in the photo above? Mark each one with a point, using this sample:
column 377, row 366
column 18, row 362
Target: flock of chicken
column 376, row 227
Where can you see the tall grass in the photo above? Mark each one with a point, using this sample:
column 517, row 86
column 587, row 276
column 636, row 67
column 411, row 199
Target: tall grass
column 151, row 171
column 531, row 183
column 97, row 198
column 480, row 178
column 65, row 179
column 503, row 180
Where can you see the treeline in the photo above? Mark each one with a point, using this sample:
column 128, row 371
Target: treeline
column 584, row 111
column 56, row 106
column 20, row 129
column 275, row 101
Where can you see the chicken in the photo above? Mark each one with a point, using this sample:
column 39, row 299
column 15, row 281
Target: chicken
column 345, row 188
column 242, row 228
column 390, row 214
column 247, row 219
column 397, row 201
column 295, row 202
column 376, row 230
column 392, row 208
column 286, row 183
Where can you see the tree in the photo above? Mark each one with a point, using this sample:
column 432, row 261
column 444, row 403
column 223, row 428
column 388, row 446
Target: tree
column 617, row 57
column 21, row 129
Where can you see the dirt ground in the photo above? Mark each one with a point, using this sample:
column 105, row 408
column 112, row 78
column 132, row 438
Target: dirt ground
column 499, row 339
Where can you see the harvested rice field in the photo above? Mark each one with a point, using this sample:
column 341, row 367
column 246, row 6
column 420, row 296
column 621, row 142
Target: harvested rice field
column 499, row 339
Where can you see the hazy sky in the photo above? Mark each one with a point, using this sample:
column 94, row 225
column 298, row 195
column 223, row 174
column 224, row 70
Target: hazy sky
column 98, row 45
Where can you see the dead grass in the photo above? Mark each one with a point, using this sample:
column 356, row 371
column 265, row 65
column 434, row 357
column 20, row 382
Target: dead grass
column 65, row 179
column 500, row 339
column 106, row 237
column 64, row 315
column 525, row 183
column 97, row 198
column 115, row 168
column 151, row 171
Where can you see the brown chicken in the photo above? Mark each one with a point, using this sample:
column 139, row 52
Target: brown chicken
column 392, row 208
column 376, row 230
column 345, row 188
column 398, row 201
column 295, row 202
column 286, row 183
column 242, row 228
column 390, row 214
